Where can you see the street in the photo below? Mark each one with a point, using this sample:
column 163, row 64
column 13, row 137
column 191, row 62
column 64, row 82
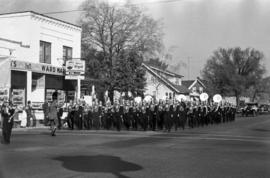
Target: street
column 236, row 149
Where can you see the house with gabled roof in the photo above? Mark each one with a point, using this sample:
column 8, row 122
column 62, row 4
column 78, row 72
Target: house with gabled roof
column 163, row 84
column 195, row 87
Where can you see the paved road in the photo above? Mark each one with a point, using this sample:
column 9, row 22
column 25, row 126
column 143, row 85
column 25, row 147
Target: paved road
column 238, row 149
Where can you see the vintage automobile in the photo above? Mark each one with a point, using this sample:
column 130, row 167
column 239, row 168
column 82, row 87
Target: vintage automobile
column 264, row 108
column 250, row 109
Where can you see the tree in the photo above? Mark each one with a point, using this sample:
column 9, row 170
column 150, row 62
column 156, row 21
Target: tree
column 260, row 88
column 114, row 30
column 156, row 62
column 232, row 71
column 129, row 74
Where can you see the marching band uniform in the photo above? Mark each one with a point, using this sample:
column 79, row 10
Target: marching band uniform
column 126, row 117
column 176, row 117
column 160, row 116
column 118, row 116
column 144, row 118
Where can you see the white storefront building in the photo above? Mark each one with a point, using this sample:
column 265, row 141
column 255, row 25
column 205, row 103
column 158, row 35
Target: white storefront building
column 38, row 47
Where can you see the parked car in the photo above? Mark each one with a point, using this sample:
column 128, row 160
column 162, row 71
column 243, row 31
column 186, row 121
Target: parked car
column 250, row 109
column 264, row 108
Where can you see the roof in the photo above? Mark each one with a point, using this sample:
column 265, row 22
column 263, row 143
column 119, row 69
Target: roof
column 187, row 83
column 36, row 13
column 190, row 83
column 179, row 89
column 166, row 72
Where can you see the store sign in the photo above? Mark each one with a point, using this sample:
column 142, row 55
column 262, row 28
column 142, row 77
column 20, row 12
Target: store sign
column 75, row 69
column 40, row 68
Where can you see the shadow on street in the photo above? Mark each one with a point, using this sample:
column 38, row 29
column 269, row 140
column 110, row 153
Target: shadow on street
column 98, row 164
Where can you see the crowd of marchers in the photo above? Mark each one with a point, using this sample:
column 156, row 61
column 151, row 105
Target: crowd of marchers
column 129, row 115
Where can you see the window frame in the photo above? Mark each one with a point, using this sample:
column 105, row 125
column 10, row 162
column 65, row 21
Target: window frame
column 65, row 53
column 43, row 50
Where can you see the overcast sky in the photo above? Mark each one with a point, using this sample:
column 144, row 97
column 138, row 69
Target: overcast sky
column 195, row 27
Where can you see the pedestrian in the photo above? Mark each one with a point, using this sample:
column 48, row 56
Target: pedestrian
column 45, row 108
column 53, row 119
column 71, row 113
column 7, row 113
column 59, row 116
column 28, row 110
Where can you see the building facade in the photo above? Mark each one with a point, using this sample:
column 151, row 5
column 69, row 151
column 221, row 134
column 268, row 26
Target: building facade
column 162, row 84
column 195, row 87
column 38, row 47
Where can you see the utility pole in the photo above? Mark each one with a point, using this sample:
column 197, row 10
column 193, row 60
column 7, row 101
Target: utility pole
column 188, row 61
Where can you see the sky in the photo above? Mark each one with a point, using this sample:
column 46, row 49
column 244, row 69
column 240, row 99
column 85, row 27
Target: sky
column 193, row 28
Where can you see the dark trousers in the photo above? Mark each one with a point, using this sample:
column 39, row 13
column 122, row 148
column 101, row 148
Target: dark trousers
column 71, row 121
column 28, row 122
column 46, row 119
column 6, row 130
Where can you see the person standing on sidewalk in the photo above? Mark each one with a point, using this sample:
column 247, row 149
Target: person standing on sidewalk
column 53, row 119
column 28, row 110
column 7, row 113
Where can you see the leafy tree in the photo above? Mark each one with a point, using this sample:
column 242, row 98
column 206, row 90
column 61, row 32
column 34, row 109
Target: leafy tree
column 232, row 71
column 129, row 75
column 156, row 62
column 259, row 89
column 115, row 30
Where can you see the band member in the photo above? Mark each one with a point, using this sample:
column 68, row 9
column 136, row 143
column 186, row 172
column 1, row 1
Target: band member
column 167, row 118
column 190, row 116
column 161, row 112
column 7, row 113
column 137, row 116
column 126, row 117
column 118, row 117
column 183, row 115
column 176, row 117
column 96, row 119
column 144, row 118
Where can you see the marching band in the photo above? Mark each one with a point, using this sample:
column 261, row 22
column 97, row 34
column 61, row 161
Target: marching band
column 131, row 115
column 162, row 115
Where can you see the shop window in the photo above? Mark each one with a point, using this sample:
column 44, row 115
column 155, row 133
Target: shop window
column 45, row 52
column 67, row 53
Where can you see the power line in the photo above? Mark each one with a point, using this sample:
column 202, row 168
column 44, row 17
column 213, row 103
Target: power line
column 80, row 10
column 132, row 4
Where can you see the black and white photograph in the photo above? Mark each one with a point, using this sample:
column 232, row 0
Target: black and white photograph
column 135, row 88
